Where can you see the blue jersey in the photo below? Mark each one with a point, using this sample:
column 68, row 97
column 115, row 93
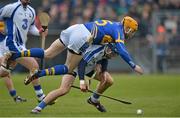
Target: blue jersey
column 110, row 32
column 106, row 31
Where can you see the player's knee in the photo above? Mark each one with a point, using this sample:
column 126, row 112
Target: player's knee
column 109, row 81
column 34, row 67
column 3, row 73
column 63, row 91
column 48, row 55
column 70, row 70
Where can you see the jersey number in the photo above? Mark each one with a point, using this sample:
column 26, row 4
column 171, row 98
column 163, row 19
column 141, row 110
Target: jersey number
column 103, row 23
column 25, row 24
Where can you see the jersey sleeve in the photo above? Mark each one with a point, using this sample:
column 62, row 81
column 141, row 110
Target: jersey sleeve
column 81, row 69
column 83, row 63
column 6, row 11
column 119, row 41
column 33, row 30
column 124, row 54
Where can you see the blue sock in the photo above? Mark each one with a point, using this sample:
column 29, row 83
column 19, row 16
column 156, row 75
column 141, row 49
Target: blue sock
column 33, row 52
column 56, row 70
column 96, row 96
column 39, row 92
column 42, row 105
column 12, row 93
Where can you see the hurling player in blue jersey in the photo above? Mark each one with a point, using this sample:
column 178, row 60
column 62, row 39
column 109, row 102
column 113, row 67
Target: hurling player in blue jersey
column 77, row 39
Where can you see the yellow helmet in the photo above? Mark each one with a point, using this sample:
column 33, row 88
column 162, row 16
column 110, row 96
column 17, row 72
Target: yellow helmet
column 130, row 23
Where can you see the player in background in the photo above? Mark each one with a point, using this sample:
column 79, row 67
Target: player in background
column 94, row 64
column 7, row 80
column 19, row 18
column 77, row 39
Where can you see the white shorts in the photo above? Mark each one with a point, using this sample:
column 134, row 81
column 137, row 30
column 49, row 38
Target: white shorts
column 4, row 49
column 76, row 38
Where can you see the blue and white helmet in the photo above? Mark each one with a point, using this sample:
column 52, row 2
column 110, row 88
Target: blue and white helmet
column 110, row 51
column 113, row 48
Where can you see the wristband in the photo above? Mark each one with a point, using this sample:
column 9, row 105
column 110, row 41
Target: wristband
column 82, row 82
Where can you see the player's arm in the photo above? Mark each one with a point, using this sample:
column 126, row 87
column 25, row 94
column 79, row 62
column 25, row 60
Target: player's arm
column 125, row 55
column 37, row 32
column 85, row 60
column 81, row 73
column 33, row 29
column 81, row 69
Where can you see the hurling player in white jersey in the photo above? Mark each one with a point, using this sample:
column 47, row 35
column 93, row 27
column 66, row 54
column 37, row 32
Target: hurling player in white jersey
column 8, row 81
column 94, row 64
column 19, row 18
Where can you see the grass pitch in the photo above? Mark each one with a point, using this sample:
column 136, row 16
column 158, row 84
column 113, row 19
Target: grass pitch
column 156, row 95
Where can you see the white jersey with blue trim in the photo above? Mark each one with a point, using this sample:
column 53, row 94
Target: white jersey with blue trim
column 19, row 21
column 92, row 55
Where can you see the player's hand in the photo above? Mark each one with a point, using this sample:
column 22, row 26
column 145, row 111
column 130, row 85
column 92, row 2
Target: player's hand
column 138, row 69
column 83, row 86
column 43, row 32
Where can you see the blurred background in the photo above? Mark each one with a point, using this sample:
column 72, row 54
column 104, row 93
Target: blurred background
column 156, row 45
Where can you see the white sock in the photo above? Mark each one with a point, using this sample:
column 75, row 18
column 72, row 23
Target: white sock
column 42, row 97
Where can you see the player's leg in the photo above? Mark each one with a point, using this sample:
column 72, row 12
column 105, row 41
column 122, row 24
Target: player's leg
column 12, row 91
column 64, row 88
column 72, row 61
column 55, row 48
column 75, row 39
column 105, row 82
column 31, row 64
column 9, row 84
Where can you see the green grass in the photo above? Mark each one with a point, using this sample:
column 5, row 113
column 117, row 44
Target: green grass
column 156, row 95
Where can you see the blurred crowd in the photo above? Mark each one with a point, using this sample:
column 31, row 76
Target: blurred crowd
column 67, row 12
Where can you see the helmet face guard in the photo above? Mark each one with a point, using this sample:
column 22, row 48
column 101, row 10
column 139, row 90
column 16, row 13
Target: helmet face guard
column 129, row 33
